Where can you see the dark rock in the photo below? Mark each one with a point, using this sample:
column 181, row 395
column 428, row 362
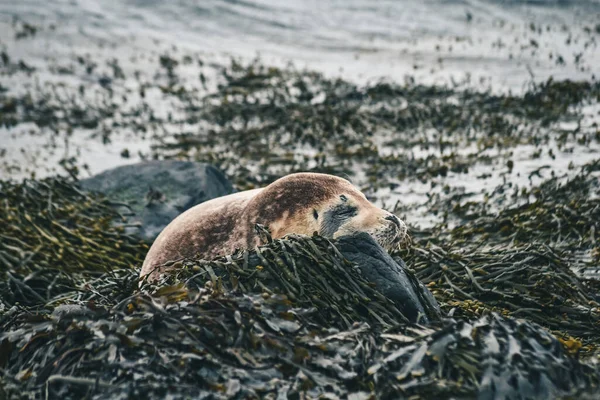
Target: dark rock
column 158, row 191
column 390, row 277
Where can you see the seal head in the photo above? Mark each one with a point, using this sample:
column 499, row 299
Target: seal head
column 307, row 203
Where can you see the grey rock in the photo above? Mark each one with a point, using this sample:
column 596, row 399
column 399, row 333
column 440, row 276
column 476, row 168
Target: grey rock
column 158, row 191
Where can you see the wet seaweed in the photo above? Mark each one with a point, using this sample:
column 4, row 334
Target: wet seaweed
column 520, row 261
column 294, row 318
column 264, row 117
column 53, row 235
column 261, row 122
column 188, row 342
column 312, row 273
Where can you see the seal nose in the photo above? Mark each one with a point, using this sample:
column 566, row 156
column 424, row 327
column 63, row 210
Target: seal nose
column 395, row 220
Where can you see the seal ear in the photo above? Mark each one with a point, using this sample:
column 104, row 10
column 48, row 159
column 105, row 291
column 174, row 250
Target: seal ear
column 315, row 214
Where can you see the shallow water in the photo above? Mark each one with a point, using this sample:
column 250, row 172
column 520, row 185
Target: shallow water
column 494, row 41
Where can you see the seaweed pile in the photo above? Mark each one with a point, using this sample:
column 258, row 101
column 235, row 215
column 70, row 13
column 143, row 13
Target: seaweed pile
column 56, row 237
column 290, row 318
column 522, row 260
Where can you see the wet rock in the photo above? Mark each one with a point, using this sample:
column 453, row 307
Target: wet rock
column 390, row 277
column 158, row 191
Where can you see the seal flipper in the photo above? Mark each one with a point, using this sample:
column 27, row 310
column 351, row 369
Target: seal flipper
column 389, row 276
column 432, row 308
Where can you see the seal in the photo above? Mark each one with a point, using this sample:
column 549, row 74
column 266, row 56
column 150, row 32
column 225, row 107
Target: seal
column 301, row 203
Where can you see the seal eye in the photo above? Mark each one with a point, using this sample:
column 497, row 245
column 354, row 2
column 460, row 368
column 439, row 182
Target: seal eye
column 343, row 198
column 335, row 217
column 315, row 214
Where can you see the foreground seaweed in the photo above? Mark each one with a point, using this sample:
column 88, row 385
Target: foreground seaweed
column 235, row 337
column 294, row 317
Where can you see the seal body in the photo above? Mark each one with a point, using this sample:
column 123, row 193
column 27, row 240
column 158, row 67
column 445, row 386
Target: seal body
column 302, row 203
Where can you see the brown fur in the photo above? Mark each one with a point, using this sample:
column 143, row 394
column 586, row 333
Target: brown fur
column 221, row 225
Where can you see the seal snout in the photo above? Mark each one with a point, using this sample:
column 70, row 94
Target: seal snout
column 397, row 223
column 397, row 228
